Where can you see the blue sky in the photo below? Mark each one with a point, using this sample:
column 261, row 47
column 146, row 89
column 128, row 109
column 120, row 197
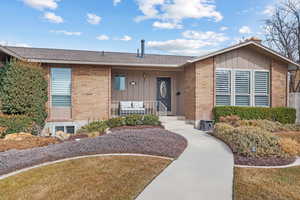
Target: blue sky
column 187, row 27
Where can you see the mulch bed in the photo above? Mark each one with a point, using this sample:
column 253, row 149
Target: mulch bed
column 152, row 141
column 253, row 161
column 273, row 161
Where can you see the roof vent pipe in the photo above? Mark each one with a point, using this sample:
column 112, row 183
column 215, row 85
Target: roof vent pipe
column 142, row 48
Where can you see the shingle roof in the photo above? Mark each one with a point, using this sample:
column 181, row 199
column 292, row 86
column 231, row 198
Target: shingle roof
column 96, row 57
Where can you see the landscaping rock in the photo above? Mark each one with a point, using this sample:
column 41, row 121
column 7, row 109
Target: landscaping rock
column 18, row 136
column 154, row 141
column 62, row 135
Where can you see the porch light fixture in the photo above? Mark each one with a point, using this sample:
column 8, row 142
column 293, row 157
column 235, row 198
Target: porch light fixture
column 133, row 83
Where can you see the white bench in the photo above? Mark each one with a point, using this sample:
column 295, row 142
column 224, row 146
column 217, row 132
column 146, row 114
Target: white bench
column 131, row 107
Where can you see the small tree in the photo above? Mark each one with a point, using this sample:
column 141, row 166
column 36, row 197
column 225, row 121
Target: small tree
column 23, row 90
column 283, row 34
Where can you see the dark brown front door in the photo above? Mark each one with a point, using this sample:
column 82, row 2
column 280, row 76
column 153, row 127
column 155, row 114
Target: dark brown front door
column 164, row 91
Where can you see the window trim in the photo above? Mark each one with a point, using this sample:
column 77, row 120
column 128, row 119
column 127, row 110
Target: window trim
column 252, row 85
column 120, row 75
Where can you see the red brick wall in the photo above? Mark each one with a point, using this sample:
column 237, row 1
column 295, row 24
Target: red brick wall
column 204, row 89
column 279, row 86
column 189, row 92
column 91, row 94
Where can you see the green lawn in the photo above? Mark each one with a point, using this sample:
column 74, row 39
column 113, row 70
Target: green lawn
column 107, row 178
column 267, row 184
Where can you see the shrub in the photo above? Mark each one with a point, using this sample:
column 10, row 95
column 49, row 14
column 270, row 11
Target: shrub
column 94, row 127
column 134, row 120
column 116, row 122
column 267, row 125
column 249, row 141
column 16, row 124
column 151, row 120
column 233, row 120
column 281, row 114
column 290, row 146
column 23, row 90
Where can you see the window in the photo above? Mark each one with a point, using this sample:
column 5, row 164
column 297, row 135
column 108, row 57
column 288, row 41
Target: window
column 242, row 87
column 65, row 129
column 261, row 88
column 59, row 128
column 223, row 88
column 120, row 82
column 61, row 87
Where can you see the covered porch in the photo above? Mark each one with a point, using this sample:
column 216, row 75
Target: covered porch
column 160, row 91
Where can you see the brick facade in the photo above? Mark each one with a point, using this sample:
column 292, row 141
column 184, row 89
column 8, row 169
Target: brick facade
column 204, row 89
column 189, row 92
column 91, row 94
column 279, row 87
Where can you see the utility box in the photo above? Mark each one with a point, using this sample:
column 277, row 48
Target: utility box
column 206, row 125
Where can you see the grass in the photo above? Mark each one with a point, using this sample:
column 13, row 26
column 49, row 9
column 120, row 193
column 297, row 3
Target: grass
column 267, row 184
column 109, row 178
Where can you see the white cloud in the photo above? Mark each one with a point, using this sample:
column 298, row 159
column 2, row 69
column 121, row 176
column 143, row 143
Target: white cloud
column 209, row 36
column 245, row 30
column 66, row 32
column 42, row 4
column 102, row 37
column 269, row 10
column 10, row 43
column 192, row 43
column 224, row 28
column 126, row 38
column 52, row 17
column 116, row 2
column 178, row 10
column 166, row 25
column 93, row 18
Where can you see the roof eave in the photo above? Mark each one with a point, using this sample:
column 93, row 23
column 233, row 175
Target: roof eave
column 287, row 60
column 101, row 63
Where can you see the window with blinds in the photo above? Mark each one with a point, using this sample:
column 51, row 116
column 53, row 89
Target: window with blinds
column 120, row 82
column 223, row 87
column 61, row 87
column 261, row 88
column 242, row 87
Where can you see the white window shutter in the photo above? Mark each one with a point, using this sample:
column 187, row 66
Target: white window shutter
column 61, row 87
column 261, row 88
column 223, row 87
column 242, row 88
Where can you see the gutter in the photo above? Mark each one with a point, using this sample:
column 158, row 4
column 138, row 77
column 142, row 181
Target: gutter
column 101, row 63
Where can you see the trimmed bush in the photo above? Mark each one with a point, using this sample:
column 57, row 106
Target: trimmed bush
column 151, row 120
column 131, row 120
column 23, row 90
column 290, row 146
column 16, row 124
column 281, row 114
column 98, row 127
column 134, row 120
column 116, row 122
column 250, row 141
column 267, row 125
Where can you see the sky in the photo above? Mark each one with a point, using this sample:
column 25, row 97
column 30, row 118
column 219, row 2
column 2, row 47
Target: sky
column 181, row 27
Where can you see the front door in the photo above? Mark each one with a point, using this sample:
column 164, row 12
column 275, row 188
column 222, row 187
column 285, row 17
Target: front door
column 164, row 91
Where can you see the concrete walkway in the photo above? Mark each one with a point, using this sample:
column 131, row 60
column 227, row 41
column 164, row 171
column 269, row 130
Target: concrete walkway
column 203, row 172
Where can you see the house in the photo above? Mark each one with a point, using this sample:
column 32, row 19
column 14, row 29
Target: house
column 88, row 85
